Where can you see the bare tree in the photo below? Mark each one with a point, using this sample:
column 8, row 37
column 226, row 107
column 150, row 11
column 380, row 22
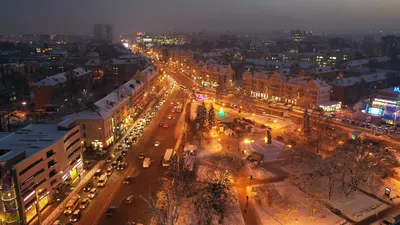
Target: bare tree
column 214, row 199
column 166, row 204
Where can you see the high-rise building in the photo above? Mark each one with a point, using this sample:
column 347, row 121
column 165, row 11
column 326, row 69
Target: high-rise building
column 103, row 32
column 298, row 35
column 390, row 46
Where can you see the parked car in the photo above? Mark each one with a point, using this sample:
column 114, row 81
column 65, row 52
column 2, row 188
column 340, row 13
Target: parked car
column 141, row 156
column 88, row 187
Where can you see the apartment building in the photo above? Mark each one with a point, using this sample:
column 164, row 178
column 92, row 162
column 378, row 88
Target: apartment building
column 106, row 119
column 213, row 75
column 148, row 76
column 181, row 56
column 35, row 162
column 294, row 90
column 51, row 92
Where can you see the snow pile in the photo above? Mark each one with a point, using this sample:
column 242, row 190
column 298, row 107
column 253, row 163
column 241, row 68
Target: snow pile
column 193, row 110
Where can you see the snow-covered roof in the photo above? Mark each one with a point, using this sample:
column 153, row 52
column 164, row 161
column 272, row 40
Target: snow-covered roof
column 326, row 69
column 56, row 52
column 131, row 56
column 123, row 61
column 279, row 64
column 62, row 77
column 367, row 78
column 94, row 62
column 111, row 101
column 93, row 54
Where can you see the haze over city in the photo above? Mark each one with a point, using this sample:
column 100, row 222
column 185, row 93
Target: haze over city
column 213, row 112
column 72, row 17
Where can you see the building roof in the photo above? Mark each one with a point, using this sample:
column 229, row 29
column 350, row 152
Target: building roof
column 61, row 77
column 279, row 64
column 367, row 78
column 94, row 62
column 30, row 139
column 111, row 101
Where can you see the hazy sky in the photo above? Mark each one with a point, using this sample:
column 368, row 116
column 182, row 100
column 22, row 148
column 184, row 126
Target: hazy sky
column 78, row 16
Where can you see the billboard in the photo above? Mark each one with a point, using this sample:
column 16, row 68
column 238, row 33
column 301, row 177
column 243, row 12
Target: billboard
column 375, row 111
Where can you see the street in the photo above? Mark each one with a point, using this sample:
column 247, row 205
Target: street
column 145, row 180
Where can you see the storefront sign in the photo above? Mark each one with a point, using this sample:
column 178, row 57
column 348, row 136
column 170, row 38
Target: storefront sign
column 396, row 89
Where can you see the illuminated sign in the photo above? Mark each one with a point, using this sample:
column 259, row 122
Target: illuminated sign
column 375, row 111
column 396, row 89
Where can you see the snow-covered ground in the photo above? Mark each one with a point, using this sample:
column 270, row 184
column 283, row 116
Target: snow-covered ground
column 188, row 212
column 272, row 121
column 271, row 152
column 303, row 211
column 257, row 172
column 358, row 206
column 193, row 110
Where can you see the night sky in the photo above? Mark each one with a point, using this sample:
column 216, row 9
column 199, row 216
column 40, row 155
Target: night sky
column 78, row 16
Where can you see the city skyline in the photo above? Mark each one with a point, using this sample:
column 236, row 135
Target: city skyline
column 75, row 17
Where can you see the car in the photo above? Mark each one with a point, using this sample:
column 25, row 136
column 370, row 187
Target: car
column 169, row 117
column 121, row 166
column 120, row 158
column 172, row 102
column 129, row 199
column 84, row 203
column 114, row 164
column 110, row 211
column 76, row 216
column 157, row 143
column 119, row 147
column 134, row 140
column 126, row 141
column 124, row 152
column 93, row 192
column 88, row 187
column 57, row 222
column 131, row 133
column 141, row 156
column 109, row 171
column 137, row 135
column 109, row 159
column 148, row 122
column 160, row 124
column 133, row 223
column 127, row 180
column 146, row 162
column 97, row 174
column 165, row 125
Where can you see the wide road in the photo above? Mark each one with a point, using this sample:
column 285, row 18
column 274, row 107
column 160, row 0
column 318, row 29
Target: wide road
column 145, row 180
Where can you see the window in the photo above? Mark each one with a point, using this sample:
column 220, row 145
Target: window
column 30, row 166
column 84, row 134
column 50, row 153
column 71, row 135
column 52, row 173
column 70, row 145
column 83, row 126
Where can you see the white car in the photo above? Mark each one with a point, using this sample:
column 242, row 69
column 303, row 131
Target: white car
column 92, row 193
column 157, row 143
column 146, row 162
column 169, row 117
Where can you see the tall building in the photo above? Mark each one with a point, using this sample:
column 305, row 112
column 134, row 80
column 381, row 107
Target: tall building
column 298, row 35
column 390, row 46
column 36, row 162
column 103, row 32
